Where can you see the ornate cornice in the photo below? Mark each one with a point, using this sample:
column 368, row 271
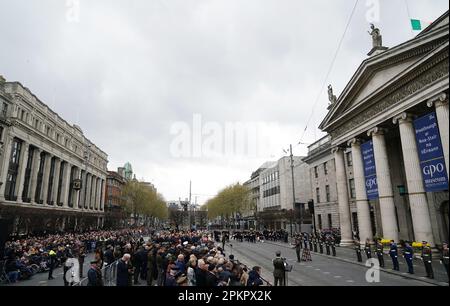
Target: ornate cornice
column 439, row 71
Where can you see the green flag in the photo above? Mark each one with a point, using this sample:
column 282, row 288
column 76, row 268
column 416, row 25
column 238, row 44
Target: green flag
column 419, row 25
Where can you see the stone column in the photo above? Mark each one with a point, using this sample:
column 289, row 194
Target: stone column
column 385, row 191
column 34, row 174
column 76, row 195
column 88, row 191
column 83, row 189
column 343, row 201
column 416, row 191
column 66, row 185
column 362, row 203
column 102, row 196
column 21, row 171
column 441, row 104
column 6, row 154
column 46, row 177
column 54, row 196
column 93, row 192
column 97, row 196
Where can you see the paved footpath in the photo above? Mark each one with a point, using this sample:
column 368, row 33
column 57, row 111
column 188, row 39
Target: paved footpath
column 323, row 270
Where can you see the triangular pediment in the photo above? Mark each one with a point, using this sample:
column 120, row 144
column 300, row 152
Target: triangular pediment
column 382, row 70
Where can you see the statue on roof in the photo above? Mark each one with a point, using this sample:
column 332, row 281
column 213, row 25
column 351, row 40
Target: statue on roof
column 331, row 97
column 377, row 39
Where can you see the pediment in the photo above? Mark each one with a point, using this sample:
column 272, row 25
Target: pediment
column 381, row 71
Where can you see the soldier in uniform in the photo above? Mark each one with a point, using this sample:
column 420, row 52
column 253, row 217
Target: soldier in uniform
column 315, row 243
column 408, row 253
column 321, row 245
column 444, row 256
column 358, row 251
column 305, row 240
column 367, row 249
column 379, row 249
column 427, row 259
column 279, row 271
column 333, row 245
column 327, row 245
column 393, row 252
column 298, row 248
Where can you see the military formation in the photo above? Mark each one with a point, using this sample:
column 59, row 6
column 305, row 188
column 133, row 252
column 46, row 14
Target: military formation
column 406, row 251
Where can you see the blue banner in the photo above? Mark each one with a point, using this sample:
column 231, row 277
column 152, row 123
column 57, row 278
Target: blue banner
column 370, row 170
column 431, row 155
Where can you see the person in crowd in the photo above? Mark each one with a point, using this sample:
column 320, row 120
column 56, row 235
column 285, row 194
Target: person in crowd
column 95, row 275
column 123, row 271
column 254, row 277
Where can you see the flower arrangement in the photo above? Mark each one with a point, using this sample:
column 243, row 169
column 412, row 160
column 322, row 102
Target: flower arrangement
column 385, row 241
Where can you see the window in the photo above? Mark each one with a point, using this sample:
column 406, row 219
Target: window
column 327, row 189
column 330, row 221
column 352, row 188
column 318, row 195
column 319, row 220
column 13, row 169
column 316, row 172
column 57, row 137
column 1, row 133
column 349, row 159
column 325, row 168
column 4, row 110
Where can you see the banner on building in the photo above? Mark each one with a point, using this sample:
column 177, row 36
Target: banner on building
column 370, row 170
column 431, row 155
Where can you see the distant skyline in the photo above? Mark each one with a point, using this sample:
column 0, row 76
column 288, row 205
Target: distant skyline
column 129, row 72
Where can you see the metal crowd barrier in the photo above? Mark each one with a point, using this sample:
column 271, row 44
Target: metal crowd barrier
column 109, row 274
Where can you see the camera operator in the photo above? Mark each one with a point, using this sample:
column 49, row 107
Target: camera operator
column 279, row 272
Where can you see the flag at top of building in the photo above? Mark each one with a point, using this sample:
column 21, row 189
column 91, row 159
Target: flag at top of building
column 419, row 25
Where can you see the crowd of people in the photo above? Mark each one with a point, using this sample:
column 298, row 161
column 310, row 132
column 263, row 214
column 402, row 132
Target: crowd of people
column 184, row 258
column 156, row 258
column 26, row 256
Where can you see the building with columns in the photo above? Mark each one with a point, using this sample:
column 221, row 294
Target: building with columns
column 393, row 118
column 52, row 178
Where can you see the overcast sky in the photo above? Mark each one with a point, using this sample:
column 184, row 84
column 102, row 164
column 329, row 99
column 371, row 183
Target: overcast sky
column 129, row 71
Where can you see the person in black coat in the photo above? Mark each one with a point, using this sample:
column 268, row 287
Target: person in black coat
column 95, row 275
column 201, row 273
column 123, row 271
column 211, row 277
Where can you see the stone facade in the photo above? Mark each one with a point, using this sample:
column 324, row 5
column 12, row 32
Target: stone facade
column 387, row 92
column 43, row 161
column 271, row 187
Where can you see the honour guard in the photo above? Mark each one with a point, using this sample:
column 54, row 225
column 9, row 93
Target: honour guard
column 358, row 251
column 367, row 249
column 444, row 256
column 315, row 243
column 393, row 252
column 379, row 249
column 408, row 253
column 298, row 248
column 327, row 245
column 427, row 259
column 333, row 245
column 321, row 245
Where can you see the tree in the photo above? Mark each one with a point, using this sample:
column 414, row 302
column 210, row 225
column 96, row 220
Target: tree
column 141, row 201
column 229, row 203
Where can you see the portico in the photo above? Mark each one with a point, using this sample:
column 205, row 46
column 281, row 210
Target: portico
column 381, row 103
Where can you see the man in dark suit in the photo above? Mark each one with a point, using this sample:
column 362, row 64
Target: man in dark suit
column 123, row 271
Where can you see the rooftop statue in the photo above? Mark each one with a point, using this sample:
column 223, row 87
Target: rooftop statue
column 377, row 39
